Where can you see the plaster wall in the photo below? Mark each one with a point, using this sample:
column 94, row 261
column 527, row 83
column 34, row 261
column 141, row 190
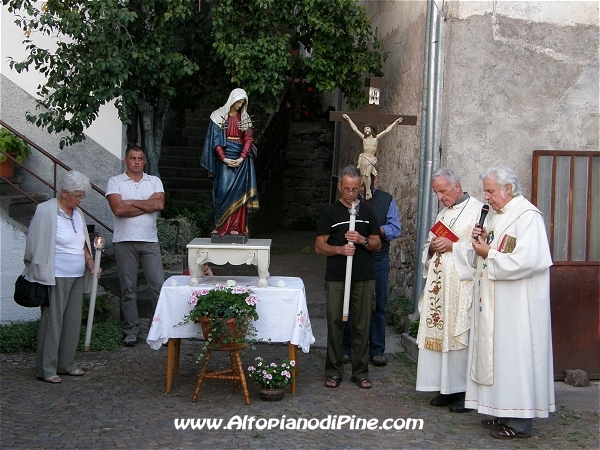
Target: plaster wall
column 519, row 76
column 12, row 243
column 107, row 130
column 401, row 27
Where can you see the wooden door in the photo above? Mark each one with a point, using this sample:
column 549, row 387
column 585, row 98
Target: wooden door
column 566, row 188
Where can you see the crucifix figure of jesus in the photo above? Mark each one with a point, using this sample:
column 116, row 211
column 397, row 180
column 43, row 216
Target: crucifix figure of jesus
column 369, row 135
column 367, row 159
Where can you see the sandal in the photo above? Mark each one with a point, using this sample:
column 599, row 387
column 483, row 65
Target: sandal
column 363, row 383
column 508, row 433
column 332, row 382
column 55, row 379
column 76, row 373
column 492, row 424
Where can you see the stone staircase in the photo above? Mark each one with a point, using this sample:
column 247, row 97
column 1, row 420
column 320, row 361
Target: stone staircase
column 18, row 207
column 180, row 171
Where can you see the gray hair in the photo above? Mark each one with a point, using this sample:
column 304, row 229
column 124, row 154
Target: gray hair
column 447, row 174
column 504, row 176
column 351, row 171
column 74, row 181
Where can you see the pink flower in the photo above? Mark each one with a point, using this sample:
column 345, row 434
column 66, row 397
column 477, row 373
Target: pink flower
column 293, row 363
column 193, row 301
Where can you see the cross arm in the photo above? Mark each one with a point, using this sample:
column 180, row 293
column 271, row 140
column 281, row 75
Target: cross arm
column 374, row 119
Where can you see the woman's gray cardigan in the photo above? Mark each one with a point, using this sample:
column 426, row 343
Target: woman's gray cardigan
column 40, row 245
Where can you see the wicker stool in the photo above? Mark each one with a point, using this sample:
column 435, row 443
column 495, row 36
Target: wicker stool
column 235, row 373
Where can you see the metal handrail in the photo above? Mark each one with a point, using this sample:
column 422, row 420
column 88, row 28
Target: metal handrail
column 56, row 162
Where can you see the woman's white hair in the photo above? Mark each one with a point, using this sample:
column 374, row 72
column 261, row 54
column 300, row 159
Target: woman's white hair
column 74, row 181
column 503, row 176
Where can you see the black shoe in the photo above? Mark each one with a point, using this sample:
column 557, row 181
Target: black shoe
column 379, row 361
column 443, row 400
column 459, row 407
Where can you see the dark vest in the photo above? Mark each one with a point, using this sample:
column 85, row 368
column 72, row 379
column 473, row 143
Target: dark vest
column 381, row 203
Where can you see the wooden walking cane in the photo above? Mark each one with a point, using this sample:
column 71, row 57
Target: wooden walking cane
column 98, row 245
column 353, row 210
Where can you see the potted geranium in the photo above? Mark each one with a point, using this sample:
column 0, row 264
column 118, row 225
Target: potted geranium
column 225, row 314
column 272, row 378
column 14, row 146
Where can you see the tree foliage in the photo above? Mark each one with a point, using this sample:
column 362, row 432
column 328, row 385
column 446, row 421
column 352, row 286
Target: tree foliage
column 149, row 54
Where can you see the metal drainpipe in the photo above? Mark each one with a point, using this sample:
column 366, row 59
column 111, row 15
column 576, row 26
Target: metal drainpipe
column 431, row 131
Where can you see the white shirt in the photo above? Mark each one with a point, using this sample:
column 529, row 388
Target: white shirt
column 69, row 260
column 141, row 228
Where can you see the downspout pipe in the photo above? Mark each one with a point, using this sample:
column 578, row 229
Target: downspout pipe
column 431, row 133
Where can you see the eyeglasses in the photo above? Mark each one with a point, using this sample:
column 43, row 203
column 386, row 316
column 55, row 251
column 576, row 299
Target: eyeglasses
column 78, row 197
column 350, row 190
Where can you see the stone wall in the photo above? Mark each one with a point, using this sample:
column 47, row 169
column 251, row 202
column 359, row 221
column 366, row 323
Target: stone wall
column 401, row 27
column 308, row 159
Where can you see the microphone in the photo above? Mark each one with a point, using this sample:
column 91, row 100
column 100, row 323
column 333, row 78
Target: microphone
column 484, row 212
column 485, row 209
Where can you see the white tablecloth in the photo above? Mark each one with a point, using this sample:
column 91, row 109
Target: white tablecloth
column 282, row 311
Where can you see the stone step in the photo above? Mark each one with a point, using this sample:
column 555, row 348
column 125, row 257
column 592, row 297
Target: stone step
column 179, row 151
column 7, row 189
column 176, row 172
column 185, row 185
column 185, row 197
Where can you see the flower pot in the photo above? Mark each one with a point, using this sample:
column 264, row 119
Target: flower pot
column 272, row 394
column 237, row 331
column 7, row 168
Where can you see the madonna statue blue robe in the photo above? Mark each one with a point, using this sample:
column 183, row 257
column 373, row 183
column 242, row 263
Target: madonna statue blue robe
column 234, row 188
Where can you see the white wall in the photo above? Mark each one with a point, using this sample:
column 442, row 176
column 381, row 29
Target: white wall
column 107, row 130
column 12, row 244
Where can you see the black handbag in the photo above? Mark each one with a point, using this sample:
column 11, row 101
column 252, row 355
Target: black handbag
column 31, row 294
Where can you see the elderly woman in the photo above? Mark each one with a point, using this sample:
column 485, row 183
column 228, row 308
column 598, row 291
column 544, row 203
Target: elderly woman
column 57, row 254
column 228, row 156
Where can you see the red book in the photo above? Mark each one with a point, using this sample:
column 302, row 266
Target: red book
column 440, row 229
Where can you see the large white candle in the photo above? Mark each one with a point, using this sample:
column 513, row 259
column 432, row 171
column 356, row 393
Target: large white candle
column 353, row 211
column 98, row 245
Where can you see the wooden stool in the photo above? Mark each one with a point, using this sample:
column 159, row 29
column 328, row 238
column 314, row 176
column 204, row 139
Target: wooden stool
column 235, row 373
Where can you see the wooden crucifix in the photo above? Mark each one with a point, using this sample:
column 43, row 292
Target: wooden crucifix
column 369, row 135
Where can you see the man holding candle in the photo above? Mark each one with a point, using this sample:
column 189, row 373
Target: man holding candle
column 336, row 241
column 134, row 198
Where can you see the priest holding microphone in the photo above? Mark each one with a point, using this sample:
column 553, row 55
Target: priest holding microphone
column 510, row 353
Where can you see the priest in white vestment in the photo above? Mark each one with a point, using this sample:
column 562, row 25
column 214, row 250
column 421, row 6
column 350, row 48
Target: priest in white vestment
column 444, row 320
column 510, row 354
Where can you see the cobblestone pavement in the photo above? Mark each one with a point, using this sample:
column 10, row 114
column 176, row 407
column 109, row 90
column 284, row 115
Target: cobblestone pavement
column 121, row 403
